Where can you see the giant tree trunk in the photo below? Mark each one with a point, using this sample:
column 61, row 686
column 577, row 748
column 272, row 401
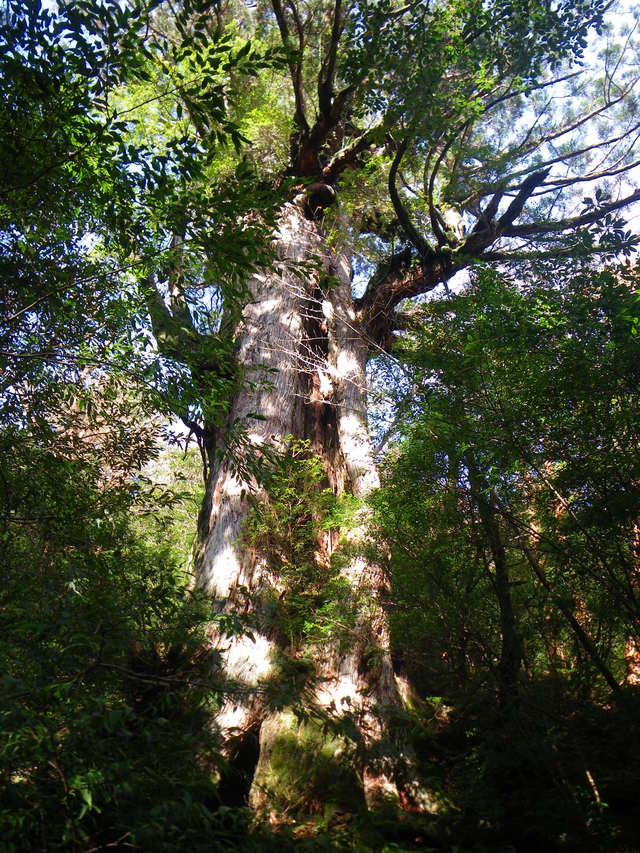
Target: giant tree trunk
column 304, row 365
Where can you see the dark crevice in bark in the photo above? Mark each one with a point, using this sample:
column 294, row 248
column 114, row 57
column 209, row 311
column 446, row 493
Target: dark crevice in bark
column 320, row 422
column 318, row 195
column 237, row 775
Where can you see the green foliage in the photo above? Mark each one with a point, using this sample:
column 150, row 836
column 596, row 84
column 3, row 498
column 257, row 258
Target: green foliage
column 464, row 86
column 555, row 773
column 130, row 218
column 108, row 685
column 107, row 676
column 537, row 386
column 520, row 428
column 296, row 529
column 173, row 489
column 60, row 181
column 91, row 205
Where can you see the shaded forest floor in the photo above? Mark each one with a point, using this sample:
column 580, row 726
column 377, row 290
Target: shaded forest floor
column 554, row 773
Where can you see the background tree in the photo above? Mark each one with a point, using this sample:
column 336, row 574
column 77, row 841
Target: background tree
column 509, row 506
column 516, row 395
column 103, row 641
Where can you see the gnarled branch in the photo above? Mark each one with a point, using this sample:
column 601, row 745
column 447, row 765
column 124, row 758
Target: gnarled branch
column 571, row 222
column 424, row 249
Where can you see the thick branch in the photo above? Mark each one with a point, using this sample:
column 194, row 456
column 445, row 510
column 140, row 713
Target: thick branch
column 485, row 221
column 486, row 231
column 399, row 277
column 402, row 277
column 541, row 228
column 524, row 193
column 295, row 66
column 403, row 217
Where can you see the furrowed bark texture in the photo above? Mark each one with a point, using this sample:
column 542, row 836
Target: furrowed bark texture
column 304, row 361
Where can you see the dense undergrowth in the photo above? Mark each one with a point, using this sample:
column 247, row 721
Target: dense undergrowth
column 108, row 682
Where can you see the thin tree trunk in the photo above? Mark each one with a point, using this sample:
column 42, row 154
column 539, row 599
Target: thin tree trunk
column 511, row 652
column 632, row 644
column 304, row 364
column 581, row 635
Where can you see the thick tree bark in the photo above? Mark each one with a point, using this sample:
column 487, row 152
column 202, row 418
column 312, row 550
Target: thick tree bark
column 304, row 362
column 632, row 662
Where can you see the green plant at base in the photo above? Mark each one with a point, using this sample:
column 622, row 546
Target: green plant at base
column 107, row 680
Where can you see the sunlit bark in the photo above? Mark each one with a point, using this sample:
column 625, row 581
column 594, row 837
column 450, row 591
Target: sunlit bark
column 303, row 359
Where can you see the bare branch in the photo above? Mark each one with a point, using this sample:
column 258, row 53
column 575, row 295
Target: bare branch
column 403, row 217
column 554, row 183
column 540, row 228
column 515, row 93
column 295, row 66
column 524, row 193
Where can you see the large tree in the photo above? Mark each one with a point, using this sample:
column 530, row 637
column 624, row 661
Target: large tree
column 423, row 137
column 411, row 139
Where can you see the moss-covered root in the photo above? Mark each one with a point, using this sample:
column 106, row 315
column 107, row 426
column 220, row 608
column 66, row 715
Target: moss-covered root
column 302, row 769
